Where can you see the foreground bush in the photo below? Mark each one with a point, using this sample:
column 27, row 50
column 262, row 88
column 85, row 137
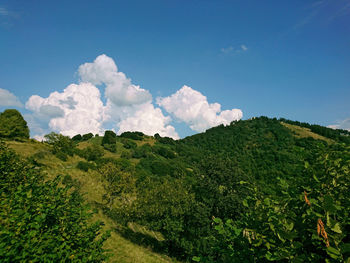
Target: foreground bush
column 41, row 221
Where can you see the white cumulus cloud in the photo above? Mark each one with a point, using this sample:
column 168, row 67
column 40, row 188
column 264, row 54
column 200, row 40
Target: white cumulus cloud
column 192, row 107
column 7, row 99
column 78, row 109
column 149, row 120
column 344, row 125
column 119, row 89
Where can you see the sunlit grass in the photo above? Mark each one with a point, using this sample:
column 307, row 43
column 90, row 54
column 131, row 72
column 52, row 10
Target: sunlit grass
column 301, row 132
column 123, row 250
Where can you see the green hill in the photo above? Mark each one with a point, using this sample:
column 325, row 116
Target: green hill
column 253, row 191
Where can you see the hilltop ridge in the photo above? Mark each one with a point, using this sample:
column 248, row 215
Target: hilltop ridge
column 165, row 199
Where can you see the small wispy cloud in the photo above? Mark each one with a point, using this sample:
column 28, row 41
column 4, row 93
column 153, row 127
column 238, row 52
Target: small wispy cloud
column 7, row 17
column 342, row 10
column 4, row 11
column 244, row 48
column 234, row 50
column 325, row 10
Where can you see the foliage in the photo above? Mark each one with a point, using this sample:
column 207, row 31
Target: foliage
column 87, row 136
column 167, row 206
column 110, row 147
column 117, row 183
column 92, row 152
column 85, row 166
column 41, row 221
column 250, row 191
column 132, row 135
column 164, row 140
column 61, row 145
column 12, row 125
column 77, row 138
column 142, row 151
column 129, row 144
column 109, row 138
column 306, row 221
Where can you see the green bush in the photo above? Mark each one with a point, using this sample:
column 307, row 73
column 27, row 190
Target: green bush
column 62, row 156
column 12, row 125
column 133, row 135
column 85, row 166
column 77, row 138
column 61, row 145
column 109, row 138
column 87, row 136
column 128, row 144
column 91, row 153
column 126, row 154
column 142, row 151
column 41, row 221
column 110, row 147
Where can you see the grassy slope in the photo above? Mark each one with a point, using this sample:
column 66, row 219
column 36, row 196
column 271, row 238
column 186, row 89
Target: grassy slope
column 301, row 132
column 123, row 250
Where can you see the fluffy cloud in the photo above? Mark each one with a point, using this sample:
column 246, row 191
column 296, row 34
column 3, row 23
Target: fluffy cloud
column 7, row 99
column 192, row 107
column 344, row 125
column 234, row 50
column 119, row 89
column 149, row 120
column 78, row 109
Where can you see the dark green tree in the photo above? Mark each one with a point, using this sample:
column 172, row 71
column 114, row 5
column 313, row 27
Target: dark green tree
column 109, row 138
column 12, row 125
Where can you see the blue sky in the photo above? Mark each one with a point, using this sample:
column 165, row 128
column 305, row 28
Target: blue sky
column 276, row 58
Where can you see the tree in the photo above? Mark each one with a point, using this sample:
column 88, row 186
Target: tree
column 41, row 221
column 117, row 183
column 109, row 138
column 77, row 138
column 61, row 145
column 87, row 136
column 12, row 125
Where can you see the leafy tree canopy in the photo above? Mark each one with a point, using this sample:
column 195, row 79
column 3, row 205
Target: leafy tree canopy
column 12, row 125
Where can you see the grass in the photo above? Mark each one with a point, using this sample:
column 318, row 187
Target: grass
column 301, row 132
column 123, row 250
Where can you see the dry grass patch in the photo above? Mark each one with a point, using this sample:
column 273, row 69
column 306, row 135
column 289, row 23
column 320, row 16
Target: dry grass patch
column 301, row 132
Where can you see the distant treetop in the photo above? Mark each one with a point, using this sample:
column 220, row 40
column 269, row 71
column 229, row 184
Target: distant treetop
column 12, row 125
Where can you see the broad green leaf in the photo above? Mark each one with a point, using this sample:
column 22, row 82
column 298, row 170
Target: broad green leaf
column 196, row 259
column 333, row 252
column 245, row 203
column 336, row 228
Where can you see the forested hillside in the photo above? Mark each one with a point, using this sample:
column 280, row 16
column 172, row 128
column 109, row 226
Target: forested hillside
column 254, row 191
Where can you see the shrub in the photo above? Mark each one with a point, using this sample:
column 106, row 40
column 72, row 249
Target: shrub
column 128, row 144
column 142, row 151
column 85, row 166
column 109, row 138
column 126, row 154
column 110, row 147
column 87, row 136
column 12, row 125
column 133, row 135
column 62, row 156
column 77, row 138
column 93, row 152
column 60, row 143
column 42, row 221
